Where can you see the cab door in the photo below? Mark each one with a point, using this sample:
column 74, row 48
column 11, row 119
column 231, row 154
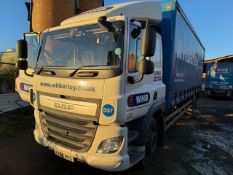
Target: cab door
column 24, row 82
column 150, row 89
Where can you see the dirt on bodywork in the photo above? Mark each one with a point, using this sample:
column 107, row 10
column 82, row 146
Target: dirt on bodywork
column 201, row 144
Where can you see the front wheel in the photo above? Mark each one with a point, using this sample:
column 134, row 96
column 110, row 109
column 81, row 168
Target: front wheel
column 151, row 142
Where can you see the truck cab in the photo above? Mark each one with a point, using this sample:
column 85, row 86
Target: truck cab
column 92, row 81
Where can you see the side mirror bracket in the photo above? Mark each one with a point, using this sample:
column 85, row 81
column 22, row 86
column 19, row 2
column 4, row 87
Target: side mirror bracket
column 22, row 64
column 132, row 80
column 145, row 67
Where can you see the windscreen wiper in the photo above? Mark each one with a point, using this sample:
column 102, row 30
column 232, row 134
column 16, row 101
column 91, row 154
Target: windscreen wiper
column 40, row 70
column 48, row 71
column 80, row 68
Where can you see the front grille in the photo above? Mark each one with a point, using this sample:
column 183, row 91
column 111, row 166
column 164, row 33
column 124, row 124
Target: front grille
column 73, row 133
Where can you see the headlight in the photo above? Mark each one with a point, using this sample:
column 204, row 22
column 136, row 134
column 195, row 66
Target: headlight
column 110, row 146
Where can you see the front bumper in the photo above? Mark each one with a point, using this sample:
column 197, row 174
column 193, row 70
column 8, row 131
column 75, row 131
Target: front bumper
column 118, row 161
column 218, row 92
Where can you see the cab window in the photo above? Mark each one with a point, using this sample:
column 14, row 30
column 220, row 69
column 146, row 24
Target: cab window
column 33, row 48
column 135, row 55
column 157, row 58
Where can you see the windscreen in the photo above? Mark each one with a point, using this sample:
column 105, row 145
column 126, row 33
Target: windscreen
column 82, row 46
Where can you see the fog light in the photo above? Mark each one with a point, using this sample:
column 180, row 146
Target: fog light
column 110, row 146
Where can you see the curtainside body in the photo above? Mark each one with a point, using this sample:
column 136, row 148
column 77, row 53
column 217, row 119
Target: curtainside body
column 183, row 55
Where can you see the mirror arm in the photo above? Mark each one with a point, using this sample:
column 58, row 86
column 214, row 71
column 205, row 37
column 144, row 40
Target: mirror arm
column 30, row 75
column 37, row 33
column 140, row 78
column 131, row 79
column 106, row 24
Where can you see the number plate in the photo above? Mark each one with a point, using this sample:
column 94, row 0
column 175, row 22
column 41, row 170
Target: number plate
column 69, row 158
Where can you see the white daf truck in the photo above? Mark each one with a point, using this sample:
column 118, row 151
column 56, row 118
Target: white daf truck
column 101, row 92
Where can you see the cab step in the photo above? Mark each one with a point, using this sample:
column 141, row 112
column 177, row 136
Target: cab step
column 132, row 135
column 136, row 154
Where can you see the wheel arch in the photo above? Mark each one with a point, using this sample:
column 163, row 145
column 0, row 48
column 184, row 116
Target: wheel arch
column 157, row 111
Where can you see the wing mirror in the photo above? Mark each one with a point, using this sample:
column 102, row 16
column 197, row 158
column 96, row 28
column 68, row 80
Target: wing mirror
column 22, row 54
column 146, row 67
column 22, row 49
column 148, row 43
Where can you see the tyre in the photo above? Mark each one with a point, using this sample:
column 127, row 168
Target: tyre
column 151, row 142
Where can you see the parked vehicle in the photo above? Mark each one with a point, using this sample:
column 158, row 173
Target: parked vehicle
column 219, row 79
column 109, row 82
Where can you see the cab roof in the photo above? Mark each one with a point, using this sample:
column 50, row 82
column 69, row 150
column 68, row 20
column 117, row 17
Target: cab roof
column 227, row 58
column 139, row 10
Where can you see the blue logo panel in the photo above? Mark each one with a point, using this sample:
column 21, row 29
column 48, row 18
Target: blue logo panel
column 25, row 87
column 138, row 99
column 108, row 110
